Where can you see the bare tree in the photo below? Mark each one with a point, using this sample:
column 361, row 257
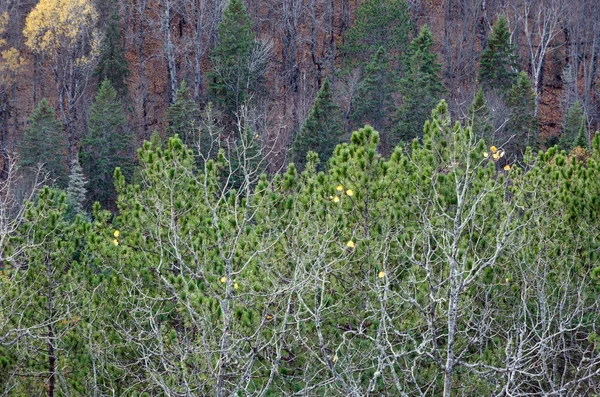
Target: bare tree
column 540, row 21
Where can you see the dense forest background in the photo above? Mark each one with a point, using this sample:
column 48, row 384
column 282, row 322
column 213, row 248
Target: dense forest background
column 299, row 198
column 266, row 62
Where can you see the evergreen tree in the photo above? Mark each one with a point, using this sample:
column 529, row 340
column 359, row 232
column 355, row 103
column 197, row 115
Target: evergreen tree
column 480, row 119
column 106, row 146
column 582, row 138
column 522, row 124
column 374, row 101
column 112, row 64
column 233, row 77
column 45, row 142
column 378, row 23
column 48, row 353
column 183, row 116
column 321, row 131
column 575, row 120
column 421, row 88
column 499, row 61
column 76, row 190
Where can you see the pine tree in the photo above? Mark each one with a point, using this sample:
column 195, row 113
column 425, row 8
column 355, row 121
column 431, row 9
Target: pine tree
column 231, row 77
column 574, row 121
column 183, row 116
column 46, row 302
column 499, row 61
column 374, row 102
column 521, row 126
column 76, row 190
column 378, row 23
column 112, row 64
column 106, row 146
column 480, row 119
column 45, row 142
column 421, row 88
column 321, row 131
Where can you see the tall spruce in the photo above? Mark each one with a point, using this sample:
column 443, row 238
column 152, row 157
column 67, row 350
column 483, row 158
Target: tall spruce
column 374, row 103
column 112, row 64
column 321, row 131
column 574, row 122
column 521, row 127
column 44, row 141
column 480, row 119
column 378, row 23
column 421, row 88
column 183, row 116
column 106, row 145
column 499, row 61
column 230, row 78
column 76, row 191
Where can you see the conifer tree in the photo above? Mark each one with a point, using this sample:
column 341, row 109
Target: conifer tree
column 47, row 302
column 45, row 142
column 374, row 102
column 480, row 119
column 582, row 138
column 499, row 61
column 183, row 116
column 522, row 124
column 106, row 145
column 76, row 190
column 575, row 120
column 421, row 88
column 232, row 78
column 321, row 131
column 378, row 23
column 112, row 64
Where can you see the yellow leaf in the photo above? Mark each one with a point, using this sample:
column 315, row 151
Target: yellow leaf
column 335, row 358
column 55, row 24
column 350, row 244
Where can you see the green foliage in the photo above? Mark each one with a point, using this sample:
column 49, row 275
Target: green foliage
column 374, row 101
column 329, row 282
column 45, row 142
column 183, row 116
column 522, row 124
column 76, row 191
column 112, row 64
column 106, row 145
column 234, row 75
column 574, row 123
column 321, row 131
column 499, row 61
column 45, row 284
column 378, row 23
column 480, row 119
column 421, row 88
